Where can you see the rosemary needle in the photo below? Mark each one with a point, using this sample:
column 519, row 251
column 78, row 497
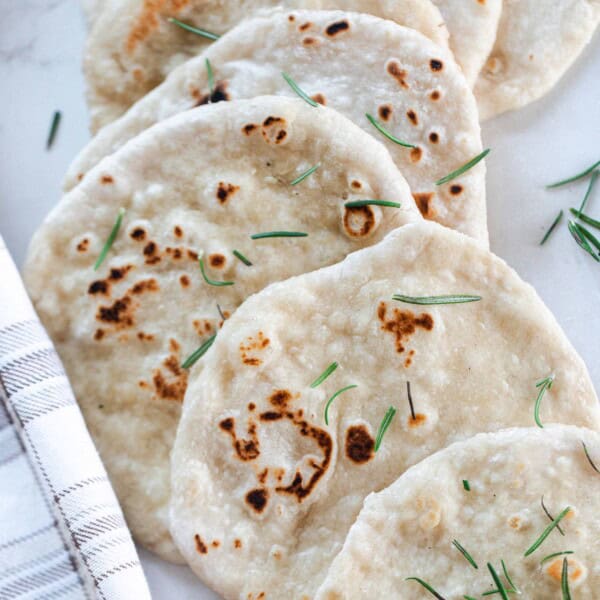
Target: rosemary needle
column 564, row 580
column 581, row 240
column 201, row 32
column 274, row 234
column 547, row 532
column 466, row 485
column 304, row 175
column 455, row 299
column 552, row 227
column 554, row 555
column 510, row 581
column 329, row 402
column 239, row 255
column 299, row 90
column 211, row 79
column 195, row 356
column 589, row 236
column 543, row 385
column 111, row 239
column 499, row 585
column 56, row 117
column 589, row 190
column 464, row 168
column 589, row 457
column 427, row 587
column 212, row 281
column 551, row 517
column 385, row 423
column 361, row 203
column 575, row 177
column 467, row 556
column 386, row 133
column 324, row 375
column 587, row 220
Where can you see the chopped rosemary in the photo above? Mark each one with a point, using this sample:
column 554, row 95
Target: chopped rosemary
column 587, row 454
column 552, row 227
column 582, row 242
column 507, row 576
column 386, row 133
column 223, row 317
column 466, row 485
column 549, row 515
column 299, row 90
column 554, row 555
column 56, row 117
column 547, row 532
column 564, row 580
column 410, row 402
column 385, row 423
column 304, row 175
column 543, row 385
column 427, row 587
column 111, row 239
column 467, row 556
column 239, row 255
column 456, row 299
column 464, row 168
column 499, row 585
column 202, row 32
column 585, row 218
column 589, row 236
column 469, row 598
column 344, row 389
column 361, row 203
column 274, row 234
column 195, row 356
column 324, row 375
column 212, row 281
column 211, row 78
column 589, row 190
column 575, row 177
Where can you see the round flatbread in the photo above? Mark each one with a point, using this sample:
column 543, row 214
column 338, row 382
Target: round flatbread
column 134, row 47
column 411, row 86
column 264, row 491
column 537, row 41
column 427, row 525
column 196, row 186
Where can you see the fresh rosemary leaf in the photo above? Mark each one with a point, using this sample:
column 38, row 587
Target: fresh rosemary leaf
column 547, row 532
column 386, row 133
column 361, row 203
column 589, row 236
column 212, row 281
column 455, row 299
column 223, row 317
column 554, row 555
column 56, row 117
column 543, row 385
column 464, row 168
column 410, row 402
column 564, row 580
column 549, row 515
column 111, row 239
column 507, row 576
column 195, row 356
column 499, row 585
column 575, row 177
column 587, row 454
column 211, row 78
column 466, row 485
column 324, row 375
column 469, row 598
column 589, row 190
column 385, row 423
column 239, row 255
column 201, row 32
column 467, row 556
column 587, row 220
column 304, row 175
column 582, row 242
column 275, row 234
column 344, row 389
column 299, row 90
column 552, row 227
column 427, row 587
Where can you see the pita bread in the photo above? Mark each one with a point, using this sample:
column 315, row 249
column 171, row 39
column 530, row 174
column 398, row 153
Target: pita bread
column 537, row 41
column 409, row 84
column 263, row 491
column 408, row 529
column 203, row 181
column 134, row 47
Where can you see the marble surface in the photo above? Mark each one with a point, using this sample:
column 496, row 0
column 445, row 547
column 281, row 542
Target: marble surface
column 41, row 43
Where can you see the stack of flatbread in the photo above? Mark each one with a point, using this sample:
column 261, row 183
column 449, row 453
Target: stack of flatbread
column 269, row 282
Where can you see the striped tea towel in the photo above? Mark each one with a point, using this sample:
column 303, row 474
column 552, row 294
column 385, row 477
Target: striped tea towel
column 62, row 533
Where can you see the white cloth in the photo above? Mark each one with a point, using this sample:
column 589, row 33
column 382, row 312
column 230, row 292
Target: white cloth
column 62, row 532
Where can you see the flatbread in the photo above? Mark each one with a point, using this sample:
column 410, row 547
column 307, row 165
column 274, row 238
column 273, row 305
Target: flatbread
column 263, row 491
column 134, row 47
column 203, row 181
column 413, row 87
column 537, row 41
column 408, row 529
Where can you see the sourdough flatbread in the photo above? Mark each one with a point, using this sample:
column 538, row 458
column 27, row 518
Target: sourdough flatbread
column 408, row 529
column 198, row 185
column 413, row 87
column 537, row 42
column 134, row 47
column 263, row 491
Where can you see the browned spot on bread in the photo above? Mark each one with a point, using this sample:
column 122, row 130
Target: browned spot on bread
column 262, row 476
column 435, row 95
column 219, row 94
column 337, row 27
column 310, row 41
column 434, row 138
column 271, row 415
column 119, row 272
column 359, row 444
column 385, row 112
column 304, row 26
column 171, row 387
column 359, row 221
column 253, row 345
column 248, row 129
column 99, row 287
column 174, row 345
column 145, row 337
column 225, row 191
column 192, row 255
column 151, row 253
column 245, row 449
column 280, row 398
column 251, row 406
column 216, row 261
column 356, row 184
column 403, row 324
column 398, row 73
column 184, row 280
column 436, row 64
column 416, row 154
column 554, row 569
column 83, row 245
column 320, row 99
column 106, row 179
column 119, row 314
column 202, row 327
column 423, row 201
column 200, row 545
column 215, row 543
column 138, row 234
column 417, row 421
column 237, row 543
column 177, row 231
column 80, row 176
column 408, row 360
column 412, row 117
column 291, row 18
column 99, row 334
column 257, row 499
column 273, row 130
column 456, row 189
column 145, row 285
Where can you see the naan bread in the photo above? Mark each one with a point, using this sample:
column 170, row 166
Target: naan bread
column 408, row 529
column 196, row 185
column 409, row 84
column 263, row 491
column 537, row 42
column 134, row 47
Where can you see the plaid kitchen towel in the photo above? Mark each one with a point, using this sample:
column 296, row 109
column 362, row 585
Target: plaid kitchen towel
column 62, row 533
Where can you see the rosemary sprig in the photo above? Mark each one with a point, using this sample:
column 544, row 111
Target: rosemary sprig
column 587, row 454
column 585, row 218
column 410, row 402
column 499, row 585
column 467, row 556
column 299, row 90
column 275, row 234
column 464, row 168
column 455, row 299
column 386, row 133
column 111, row 239
column 507, row 576
column 211, row 78
column 304, row 175
column 543, row 385
column 554, row 555
column 344, row 389
column 239, row 255
column 385, row 423
column 466, row 485
column 201, row 32
column 361, row 203
column 324, row 375
column 582, row 242
column 56, row 117
column 212, row 281
column 195, row 356
column 427, row 587
column 564, row 580
column 547, row 532
column 549, row 515
column 575, row 177
column 589, row 190
column 552, row 227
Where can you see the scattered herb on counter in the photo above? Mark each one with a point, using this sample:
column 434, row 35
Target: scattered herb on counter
column 385, row 423
column 212, row 281
column 587, row 454
column 588, row 192
column 201, row 32
column 554, row 555
column 564, row 580
column 589, row 236
column 329, row 402
column 324, row 375
column 581, row 175
column 304, row 175
column 542, row 385
column 211, row 79
column 299, row 90
column 386, row 133
column 587, row 220
column 547, row 532
column 410, row 402
column 195, row 356
column 276, row 234
column 549, row 515
column 111, row 239
column 580, row 238
column 467, row 556
column 456, row 299
column 239, row 255
column 464, row 168
column 552, row 227
column 56, row 117
column 427, row 587
column 361, row 203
